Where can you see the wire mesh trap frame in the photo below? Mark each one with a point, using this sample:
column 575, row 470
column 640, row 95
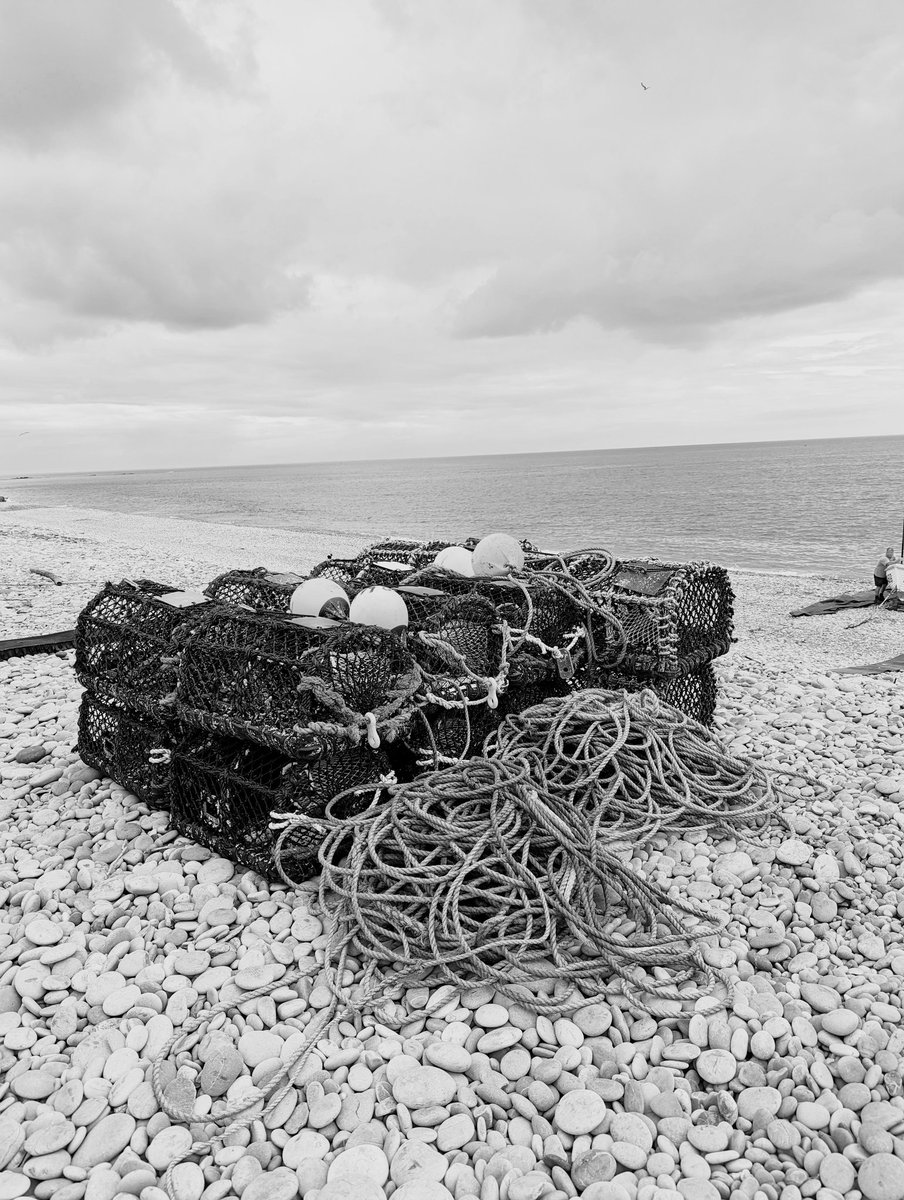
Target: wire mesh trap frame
column 546, row 614
column 132, row 749
column 676, row 616
column 233, row 796
column 467, row 625
column 693, row 693
column 266, row 678
column 124, row 644
column 381, row 565
column 258, row 589
column 456, row 724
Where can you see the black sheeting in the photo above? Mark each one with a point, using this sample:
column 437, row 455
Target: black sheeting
column 42, row 643
column 848, row 600
column 879, row 668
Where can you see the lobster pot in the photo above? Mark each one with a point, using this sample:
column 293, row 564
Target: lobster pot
column 676, row 616
column 518, row 697
column 458, row 733
column 418, row 554
column 266, row 677
column 347, row 572
column 126, row 747
column 124, row 646
column 365, row 571
column 546, row 612
column 693, row 693
column 384, row 564
column 441, row 734
column 258, row 589
column 232, row 796
column 461, row 633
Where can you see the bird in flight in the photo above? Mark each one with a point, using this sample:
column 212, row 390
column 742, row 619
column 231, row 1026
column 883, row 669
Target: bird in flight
column 644, row 86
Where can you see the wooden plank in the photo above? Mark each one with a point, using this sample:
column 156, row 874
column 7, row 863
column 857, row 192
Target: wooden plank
column 42, row 643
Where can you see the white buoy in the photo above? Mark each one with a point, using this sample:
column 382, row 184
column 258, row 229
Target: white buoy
column 457, row 559
column 497, row 555
column 379, row 606
column 319, row 597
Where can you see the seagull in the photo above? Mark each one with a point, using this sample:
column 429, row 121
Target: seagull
column 25, row 434
column 644, row 86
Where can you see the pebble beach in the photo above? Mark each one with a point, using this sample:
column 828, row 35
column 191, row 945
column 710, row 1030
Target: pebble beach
column 115, row 931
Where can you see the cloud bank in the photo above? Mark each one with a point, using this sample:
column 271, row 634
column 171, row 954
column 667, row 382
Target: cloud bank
column 361, row 195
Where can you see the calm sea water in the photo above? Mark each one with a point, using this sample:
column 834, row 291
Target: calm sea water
column 827, row 504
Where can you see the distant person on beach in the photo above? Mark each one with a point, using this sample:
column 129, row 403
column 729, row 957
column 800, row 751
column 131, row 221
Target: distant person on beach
column 880, row 574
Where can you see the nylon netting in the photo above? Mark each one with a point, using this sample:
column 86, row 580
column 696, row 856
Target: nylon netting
column 131, row 748
column 124, row 643
column 258, row 588
column 262, row 714
column 676, row 616
column 227, row 790
column 284, row 685
column 693, row 693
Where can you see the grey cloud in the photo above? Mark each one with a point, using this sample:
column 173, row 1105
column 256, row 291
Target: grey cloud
column 64, row 63
column 418, row 143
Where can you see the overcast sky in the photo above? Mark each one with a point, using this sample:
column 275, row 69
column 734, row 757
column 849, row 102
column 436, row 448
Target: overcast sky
column 275, row 230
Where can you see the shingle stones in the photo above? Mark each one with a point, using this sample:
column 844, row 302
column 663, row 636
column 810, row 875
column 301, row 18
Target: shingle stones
column 422, row 1087
column 579, row 1111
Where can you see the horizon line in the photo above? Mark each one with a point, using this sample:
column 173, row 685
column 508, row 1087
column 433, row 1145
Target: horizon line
column 448, row 457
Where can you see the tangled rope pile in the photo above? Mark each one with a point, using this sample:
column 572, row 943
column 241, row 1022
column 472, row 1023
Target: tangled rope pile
column 506, row 869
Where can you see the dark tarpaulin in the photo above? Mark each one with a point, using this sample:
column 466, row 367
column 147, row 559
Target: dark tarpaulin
column 847, row 600
column 879, row 668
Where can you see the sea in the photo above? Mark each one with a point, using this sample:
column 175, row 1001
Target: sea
column 824, row 505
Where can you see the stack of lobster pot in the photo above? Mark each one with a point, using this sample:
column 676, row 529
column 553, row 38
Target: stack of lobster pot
column 486, row 647
column 677, row 618
column 234, row 720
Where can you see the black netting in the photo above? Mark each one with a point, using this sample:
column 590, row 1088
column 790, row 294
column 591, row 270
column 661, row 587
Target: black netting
column 123, row 644
column 460, row 731
column 344, row 571
column 453, row 732
column 519, row 696
column 675, row 616
column 131, row 749
column 693, row 693
column 402, row 550
column 589, row 567
column 547, row 613
column 258, row 589
column 453, row 626
column 265, row 677
column 379, row 572
column 229, row 795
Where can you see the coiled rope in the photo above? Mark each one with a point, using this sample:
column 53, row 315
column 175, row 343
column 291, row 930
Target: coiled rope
column 508, row 870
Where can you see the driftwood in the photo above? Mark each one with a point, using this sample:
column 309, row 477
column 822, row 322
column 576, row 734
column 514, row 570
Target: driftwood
column 46, row 575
